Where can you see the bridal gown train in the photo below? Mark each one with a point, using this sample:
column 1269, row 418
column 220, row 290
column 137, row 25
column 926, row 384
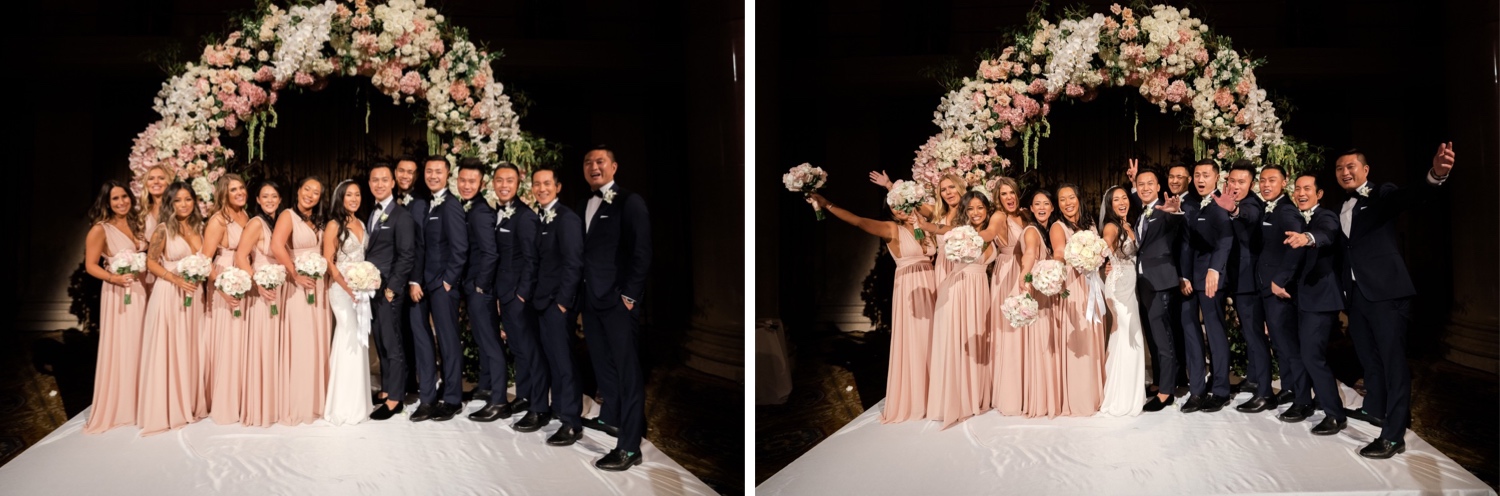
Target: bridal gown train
column 1125, row 367
column 349, row 357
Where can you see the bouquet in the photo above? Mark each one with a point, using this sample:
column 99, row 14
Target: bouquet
column 312, row 265
column 193, row 269
column 1047, row 277
column 907, row 196
column 128, row 264
column 963, row 245
column 363, row 278
column 1085, row 251
column 235, row 282
column 1020, row 310
column 271, row 276
column 805, row 179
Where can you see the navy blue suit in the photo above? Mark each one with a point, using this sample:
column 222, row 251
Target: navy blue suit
column 616, row 259
column 415, row 312
column 1379, row 292
column 478, row 288
column 515, row 278
column 1242, row 259
column 559, row 247
column 1156, row 285
column 1209, row 239
column 444, row 251
column 391, row 246
column 1319, row 300
column 1278, row 263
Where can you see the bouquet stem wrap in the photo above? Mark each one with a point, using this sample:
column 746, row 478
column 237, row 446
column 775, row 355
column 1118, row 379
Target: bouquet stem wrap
column 1096, row 298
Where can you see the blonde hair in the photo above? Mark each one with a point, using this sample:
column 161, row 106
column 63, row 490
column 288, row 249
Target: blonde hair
column 221, row 192
column 146, row 208
column 941, row 211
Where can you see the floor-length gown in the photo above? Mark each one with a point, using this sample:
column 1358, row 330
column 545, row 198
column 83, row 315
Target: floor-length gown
column 1083, row 351
column 262, row 341
column 1125, row 369
column 117, row 377
column 349, row 360
column 912, row 306
column 961, row 351
column 169, row 353
column 148, row 228
column 1005, row 281
column 1041, row 364
column 226, row 334
column 303, row 377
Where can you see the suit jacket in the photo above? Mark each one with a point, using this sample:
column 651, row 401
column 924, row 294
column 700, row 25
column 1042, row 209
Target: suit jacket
column 1278, row 262
column 516, row 241
column 417, row 209
column 392, row 247
column 617, row 249
column 445, row 240
column 1319, row 289
column 559, row 247
column 1247, row 245
column 483, row 257
column 1372, row 252
column 1208, row 241
column 1157, row 255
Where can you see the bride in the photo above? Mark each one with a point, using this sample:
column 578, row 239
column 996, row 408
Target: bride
column 348, row 400
column 1125, row 369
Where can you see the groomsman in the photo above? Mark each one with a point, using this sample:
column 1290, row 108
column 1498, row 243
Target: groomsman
column 1156, row 281
column 391, row 245
column 1246, row 216
column 515, row 234
column 478, row 286
column 412, row 196
column 1275, row 273
column 445, row 248
column 616, row 258
column 559, row 249
column 1203, row 264
column 1319, row 301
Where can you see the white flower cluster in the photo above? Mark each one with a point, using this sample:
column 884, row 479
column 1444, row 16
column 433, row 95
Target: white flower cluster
column 966, row 113
column 906, row 196
column 399, row 21
column 234, row 281
column 1020, row 310
column 1073, row 54
column 203, row 188
column 194, row 268
column 963, row 245
column 270, row 276
column 128, row 263
column 804, row 178
column 1167, row 27
column 1085, row 251
column 362, row 276
column 302, row 34
column 311, row 264
column 1047, row 277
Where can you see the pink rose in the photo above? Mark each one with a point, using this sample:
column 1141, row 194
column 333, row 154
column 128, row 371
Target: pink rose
column 458, row 90
column 302, row 79
column 264, row 75
column 1074, row 90
column 1177, row 91
column 1201, row 56
column 1243, row 88
column 1038, row 86
column 1223, row 98
column 411, row 83
column 436, row 47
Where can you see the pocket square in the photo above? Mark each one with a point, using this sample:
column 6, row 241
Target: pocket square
column 1265, row 223
column 504, row 230
column 1364, row 207
column 384, row 227
column 1202, row 218
column 434, row 218
column 603, row 216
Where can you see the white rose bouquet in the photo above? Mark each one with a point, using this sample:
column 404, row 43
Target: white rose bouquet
column 1085, row 251
column 235, row 282
column 963, row 245
column 1047, row 277
column 271, row 276
column 1020, row 310
column 194, row 269
column 805, row 179
column 312, row 265
column 907, row 196
column 128, row 264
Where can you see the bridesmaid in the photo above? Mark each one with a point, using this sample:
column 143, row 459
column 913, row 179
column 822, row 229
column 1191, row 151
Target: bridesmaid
column 116, row 232
column 263, row 330
column 945, row 215
column 224, row 363
column 169, row 351
column 959, row 386
column 155, row 185
column 1083, row 351
column 1041, row 362
column 912, row 306
column 1005, row 280
column 306, row 327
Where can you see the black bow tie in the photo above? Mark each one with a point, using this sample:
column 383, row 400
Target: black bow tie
column 598, row 193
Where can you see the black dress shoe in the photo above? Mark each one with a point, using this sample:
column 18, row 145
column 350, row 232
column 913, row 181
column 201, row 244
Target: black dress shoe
column 424, row 412
column 1329, row 426
column 1212, row 403
column 618, row 461
column 1296, row 413
column 384, row 412
column 565, row 436
column 1155, row 404
column 532, row 422
column 444, row 411
column 1193, row 404
column 1257, row 404
column 1366, row 416
column 491, row 413
column 483, row 395
column 1285, row 397
column 520, row 405
column 598, row 424
column 1381, row 449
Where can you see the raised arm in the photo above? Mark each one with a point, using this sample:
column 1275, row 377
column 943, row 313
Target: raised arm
column 1032, row 241
column 1059, row 241
column 886, row 231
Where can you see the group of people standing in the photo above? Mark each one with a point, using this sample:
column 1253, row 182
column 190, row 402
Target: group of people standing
column 1175, row 260
column 174, row 350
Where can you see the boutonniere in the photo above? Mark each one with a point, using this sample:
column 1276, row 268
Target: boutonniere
column 438, row 201
column 1149, row 211
column 507, row 212
column 609, row 196
column 1307, row 215
column 383, row 217
column 405, row 199
column 1363, row 190
column 468, row 205
column 1209, row 198
column 548, row 215
column 1271, row 205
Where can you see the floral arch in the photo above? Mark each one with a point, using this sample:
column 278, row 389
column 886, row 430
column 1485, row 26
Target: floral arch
column 1175, row 61
column 407, row 50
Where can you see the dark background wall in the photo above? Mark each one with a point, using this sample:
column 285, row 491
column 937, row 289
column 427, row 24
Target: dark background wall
column 845, row 85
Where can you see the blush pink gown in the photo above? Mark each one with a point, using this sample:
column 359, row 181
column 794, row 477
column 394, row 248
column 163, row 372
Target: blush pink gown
column 306, row 337
column 1083, row 349
column 1005, row 280
column 169, row 352
column 120, row 332
column 1041, row 362
column 961, row 351
column 227, row 335
column 262, row 342
column 912, row 306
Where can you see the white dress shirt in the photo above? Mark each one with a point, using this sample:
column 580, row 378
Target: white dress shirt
column 593, row 206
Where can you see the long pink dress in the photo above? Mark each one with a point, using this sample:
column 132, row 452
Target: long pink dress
column 1041, row 363
column 306, row 338
column 262, row 342
column 117, row 376
column 169, row 353
column 227, row 335
column 912, row 306
column 1083, row 357
column 1005, row 280
column 148, row 228
column 961, row 351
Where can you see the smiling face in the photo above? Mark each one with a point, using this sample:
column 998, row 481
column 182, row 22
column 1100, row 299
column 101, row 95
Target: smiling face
column 950, row 192
column 156, row 182
column 119, row 201
column 352, row 198
column 1205, row 178
column 1067, row 201
column 237, row 194
column 1272, row 184
column 308, row 195
column 380, row 183
column 1119, row 202
column 1306, row 193
column 406, row 174
column 435, row 172
column 1351, row 171
column 183, row 204
column 599, row 168
column 505, row 183
column 1009, row 199
column 976, row 212
column 269, row 199
column 1239, row 183
column 468, row 183
column 1146, row 187
column 1041, row 207
column 544, row 187
column 1178, row 179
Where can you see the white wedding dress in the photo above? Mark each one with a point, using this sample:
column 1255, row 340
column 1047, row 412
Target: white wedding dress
column 348, row 401
column 1125, row 369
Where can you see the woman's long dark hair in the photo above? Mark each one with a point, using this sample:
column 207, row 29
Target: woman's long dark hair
column 167, row 216
column 101, row 211
column 1085, row 221
column 254, row 204
column 1044, row 228
column 338, row 213
column 316, row 215
column 1110, row 217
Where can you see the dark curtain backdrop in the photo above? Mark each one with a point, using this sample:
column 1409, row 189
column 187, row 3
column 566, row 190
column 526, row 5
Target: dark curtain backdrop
column 848, row 86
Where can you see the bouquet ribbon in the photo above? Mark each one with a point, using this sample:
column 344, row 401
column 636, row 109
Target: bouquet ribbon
column 362, row 315
column 1096, row 298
